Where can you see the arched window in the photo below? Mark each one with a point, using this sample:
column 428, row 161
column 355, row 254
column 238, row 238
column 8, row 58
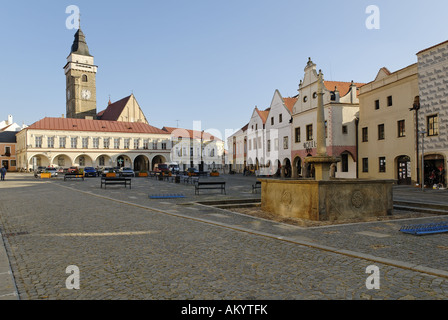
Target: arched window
column 84, row 78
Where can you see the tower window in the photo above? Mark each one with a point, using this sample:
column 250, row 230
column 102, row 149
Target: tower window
column 84, row 78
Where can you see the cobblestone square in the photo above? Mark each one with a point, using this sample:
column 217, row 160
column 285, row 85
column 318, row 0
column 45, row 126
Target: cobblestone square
column 128, row 246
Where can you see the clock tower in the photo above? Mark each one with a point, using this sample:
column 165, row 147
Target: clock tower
column 80, row 74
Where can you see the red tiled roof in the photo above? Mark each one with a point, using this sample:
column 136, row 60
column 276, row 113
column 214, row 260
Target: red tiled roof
column 114, row 110
column 290, row 102
column 263, row 114
column 187, row 133
column 343, row 87
column 67, row 124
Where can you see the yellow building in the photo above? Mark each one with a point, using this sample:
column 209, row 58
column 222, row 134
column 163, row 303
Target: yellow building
column 387, row 146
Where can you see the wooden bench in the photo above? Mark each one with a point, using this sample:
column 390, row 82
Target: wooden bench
column 122, row 181
column 217, row 185
column 69, row 176
column 255, row 186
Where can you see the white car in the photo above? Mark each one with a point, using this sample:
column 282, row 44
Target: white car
column 127, row 172
column 53, row 171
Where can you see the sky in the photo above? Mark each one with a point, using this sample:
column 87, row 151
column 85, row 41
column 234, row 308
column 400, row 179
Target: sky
column 204, row 60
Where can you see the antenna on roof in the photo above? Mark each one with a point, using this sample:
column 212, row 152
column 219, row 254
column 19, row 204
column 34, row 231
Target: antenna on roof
column 177, row 123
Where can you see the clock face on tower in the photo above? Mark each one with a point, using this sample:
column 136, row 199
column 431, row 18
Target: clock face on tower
column 85, row 94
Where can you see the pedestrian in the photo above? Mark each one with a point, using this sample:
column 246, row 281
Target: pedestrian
column 3, row 173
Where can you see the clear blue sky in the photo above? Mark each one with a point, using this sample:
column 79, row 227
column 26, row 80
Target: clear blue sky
column 204, row 60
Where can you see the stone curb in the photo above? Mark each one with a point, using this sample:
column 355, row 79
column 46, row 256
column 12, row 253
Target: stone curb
column 8, row 289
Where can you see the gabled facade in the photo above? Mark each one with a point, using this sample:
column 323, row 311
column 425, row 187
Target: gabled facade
column 256, row 139
column 278, row 136
column 341, row 105
column 125, row 110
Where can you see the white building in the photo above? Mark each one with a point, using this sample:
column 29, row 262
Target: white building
column 9, row 125
column 278, row 136
column 61, row 142
column 341, row 105
column 196, row 149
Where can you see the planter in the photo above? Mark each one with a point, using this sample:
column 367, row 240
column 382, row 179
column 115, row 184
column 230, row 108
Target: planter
column 214, row 174
column 45, row 175
column 141, row 174
column 111, row 175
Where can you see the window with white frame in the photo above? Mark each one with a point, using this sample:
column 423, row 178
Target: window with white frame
column 106, row 143
column 96, row 143
column 38, row 141
column 74, row 143
column 50, row 141
column 127, row 143
column 62, row 142
column 117, row 143
column 85, row 143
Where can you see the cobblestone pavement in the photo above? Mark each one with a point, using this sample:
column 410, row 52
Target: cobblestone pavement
column 128, row 246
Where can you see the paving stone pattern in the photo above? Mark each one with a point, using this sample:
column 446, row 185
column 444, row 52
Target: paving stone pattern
column 128, row 246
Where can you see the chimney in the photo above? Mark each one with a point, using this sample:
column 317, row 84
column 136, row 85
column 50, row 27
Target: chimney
column 10, row 119
column 63, row 116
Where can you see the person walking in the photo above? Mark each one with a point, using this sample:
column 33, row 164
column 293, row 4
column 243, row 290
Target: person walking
column 3, row 173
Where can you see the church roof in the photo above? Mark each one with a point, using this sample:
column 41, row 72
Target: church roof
column 114, row 110
column 66, row 124
column 80, row 45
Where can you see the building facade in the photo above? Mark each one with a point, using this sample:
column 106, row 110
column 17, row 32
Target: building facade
column 196, row 149
column 341, row 105
column 237, row 154
column 278, row 136
column 386, row 131
column 64, row 143
column 433, row 112
column 8, row 157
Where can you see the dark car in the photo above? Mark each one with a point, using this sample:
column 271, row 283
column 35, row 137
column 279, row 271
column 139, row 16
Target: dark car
column 193, row 171
column 90, row 172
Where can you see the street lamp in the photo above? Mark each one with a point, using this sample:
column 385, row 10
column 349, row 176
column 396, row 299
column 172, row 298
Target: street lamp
column 423, row 159
column 416, row 108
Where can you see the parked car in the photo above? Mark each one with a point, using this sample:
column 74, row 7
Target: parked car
column 53, row 171
column 60, row 170
column 127, row 172
column 107, row 170
column 90, row 172
column 174, row 168
column 193, row 171
column 72, row 170
column 38, row 171
column 161, row 167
